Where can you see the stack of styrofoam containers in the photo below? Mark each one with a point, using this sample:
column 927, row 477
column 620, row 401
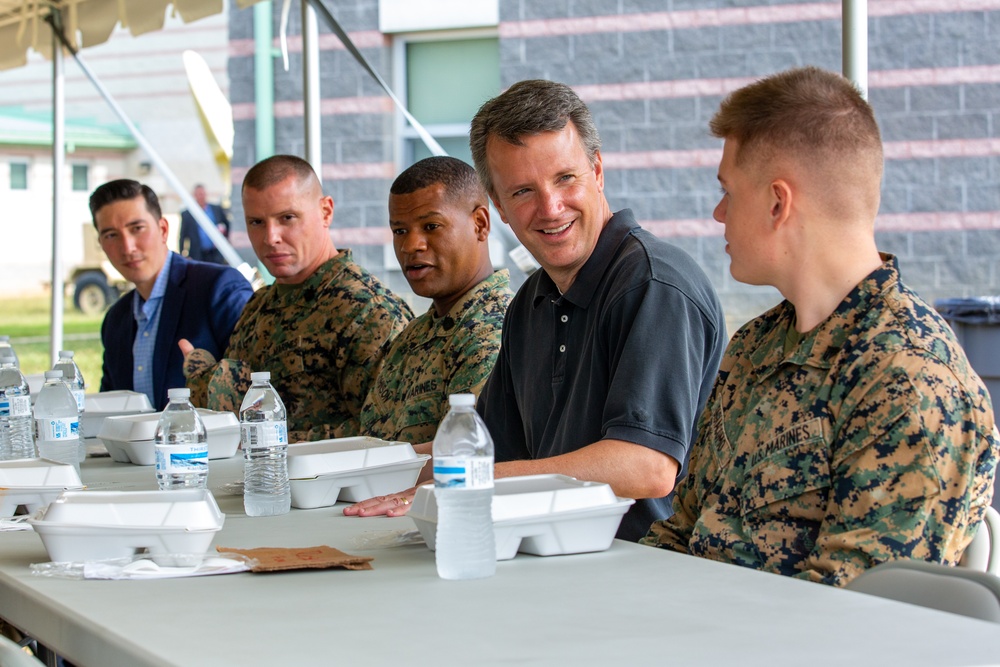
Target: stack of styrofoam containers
column 34, row 483
column 129, row 438
column 350, row 469
column 84, row 526
column 98, row 407
column 544, row 515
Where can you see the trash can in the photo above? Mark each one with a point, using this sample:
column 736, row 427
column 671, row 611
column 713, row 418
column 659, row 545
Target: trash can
column 976, row 322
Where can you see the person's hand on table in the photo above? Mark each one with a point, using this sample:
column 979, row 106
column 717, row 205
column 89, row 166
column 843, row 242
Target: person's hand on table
column 396, row 504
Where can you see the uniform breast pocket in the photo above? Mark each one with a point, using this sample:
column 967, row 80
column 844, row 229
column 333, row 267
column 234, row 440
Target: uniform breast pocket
column 784, row 498
column 291, row 360
column 421, row 410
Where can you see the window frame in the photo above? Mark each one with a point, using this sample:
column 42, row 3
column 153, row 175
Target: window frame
column 404, row 134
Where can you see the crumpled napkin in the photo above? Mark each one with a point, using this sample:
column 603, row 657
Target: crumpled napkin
column 143, row 567
column 15, row 523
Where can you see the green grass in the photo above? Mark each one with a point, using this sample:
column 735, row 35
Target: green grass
column 28, row 323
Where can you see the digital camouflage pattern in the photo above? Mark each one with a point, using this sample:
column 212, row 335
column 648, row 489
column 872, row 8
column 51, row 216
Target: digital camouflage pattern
column 871, row 440
column 435, row 357
column 323, row 342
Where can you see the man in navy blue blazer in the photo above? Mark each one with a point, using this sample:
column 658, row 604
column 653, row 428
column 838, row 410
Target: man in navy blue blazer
column 174, row 297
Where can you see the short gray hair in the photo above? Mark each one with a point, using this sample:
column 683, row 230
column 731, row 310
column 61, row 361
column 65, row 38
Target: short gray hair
column 528, row 108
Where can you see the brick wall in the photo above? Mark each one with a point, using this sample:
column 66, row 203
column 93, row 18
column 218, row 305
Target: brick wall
column 653, row 72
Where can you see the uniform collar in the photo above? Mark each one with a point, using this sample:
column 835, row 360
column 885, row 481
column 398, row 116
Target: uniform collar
column 327, row 271
column 819, row 347
column 444, row 326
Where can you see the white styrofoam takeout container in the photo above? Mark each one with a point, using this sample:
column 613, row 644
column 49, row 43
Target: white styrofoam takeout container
column 544, row 515
column 34, row 483
column 350, row 469
column 129, row 438
column 98, row 407
column 97, row 525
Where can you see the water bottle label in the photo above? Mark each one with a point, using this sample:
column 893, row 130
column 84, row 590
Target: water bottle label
column 15, row 406
column 58, row 429
column 258, row 435
column 182, row 459
column 461, row 472
column 81, row 399
column 19, row 406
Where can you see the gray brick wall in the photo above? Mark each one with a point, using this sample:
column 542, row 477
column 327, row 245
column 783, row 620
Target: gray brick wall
column 939, row 263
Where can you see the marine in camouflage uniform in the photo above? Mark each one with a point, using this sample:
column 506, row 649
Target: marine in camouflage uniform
column 434, row 357
column 868, row 440
column 322, row 340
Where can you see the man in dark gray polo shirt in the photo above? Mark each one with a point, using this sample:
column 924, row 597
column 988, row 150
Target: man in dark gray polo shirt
column 609, row 352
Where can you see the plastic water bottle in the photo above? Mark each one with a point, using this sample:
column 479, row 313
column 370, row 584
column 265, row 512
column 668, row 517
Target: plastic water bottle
column 57, row 423
column 264, row 438
column 17, row 440
column 463, row 488
column 74, row 378
column 181, row 444
column 5, row 345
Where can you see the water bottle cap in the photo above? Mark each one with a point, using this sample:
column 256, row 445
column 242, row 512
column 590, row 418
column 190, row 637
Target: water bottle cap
column 260, row 376
column 462, row 400
column 53, row 374
column 65, row 354
column 178, row 393
column 5, row 354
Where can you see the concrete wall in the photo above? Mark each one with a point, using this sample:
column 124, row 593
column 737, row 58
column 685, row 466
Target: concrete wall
column 653, row 72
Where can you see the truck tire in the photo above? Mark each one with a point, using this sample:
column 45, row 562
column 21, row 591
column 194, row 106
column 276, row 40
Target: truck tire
column 91, row 293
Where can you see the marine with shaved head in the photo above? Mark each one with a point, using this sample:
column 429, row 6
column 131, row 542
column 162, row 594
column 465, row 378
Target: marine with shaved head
column 322, row 329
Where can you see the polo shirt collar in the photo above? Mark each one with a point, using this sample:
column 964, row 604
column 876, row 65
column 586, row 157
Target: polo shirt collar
column 584, row 286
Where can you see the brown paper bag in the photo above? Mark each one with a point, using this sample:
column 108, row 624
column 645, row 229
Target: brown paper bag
column 275, row 559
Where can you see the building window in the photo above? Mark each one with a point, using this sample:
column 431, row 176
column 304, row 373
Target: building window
column 446, row 83
column 18, row 175
column 81, row 178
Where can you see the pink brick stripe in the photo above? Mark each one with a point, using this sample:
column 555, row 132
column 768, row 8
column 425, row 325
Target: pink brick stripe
column 894, row 150
column 897, row 222
column 364, row 39
column 793, row 13
column 327, row 107
column 346, row 237
column 337, row 172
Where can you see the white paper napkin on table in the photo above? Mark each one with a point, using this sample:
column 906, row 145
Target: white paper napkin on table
column 142, row 567
column 15, row 523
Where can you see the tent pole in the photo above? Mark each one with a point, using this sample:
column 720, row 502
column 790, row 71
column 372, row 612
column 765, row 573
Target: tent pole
column 310, row 89
column 854, row 35
column 58, row 164
column 220, row 241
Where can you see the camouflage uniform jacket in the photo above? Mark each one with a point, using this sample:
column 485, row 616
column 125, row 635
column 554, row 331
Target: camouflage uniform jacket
column 870, row 440
column 323, row 342
column 434, row 357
